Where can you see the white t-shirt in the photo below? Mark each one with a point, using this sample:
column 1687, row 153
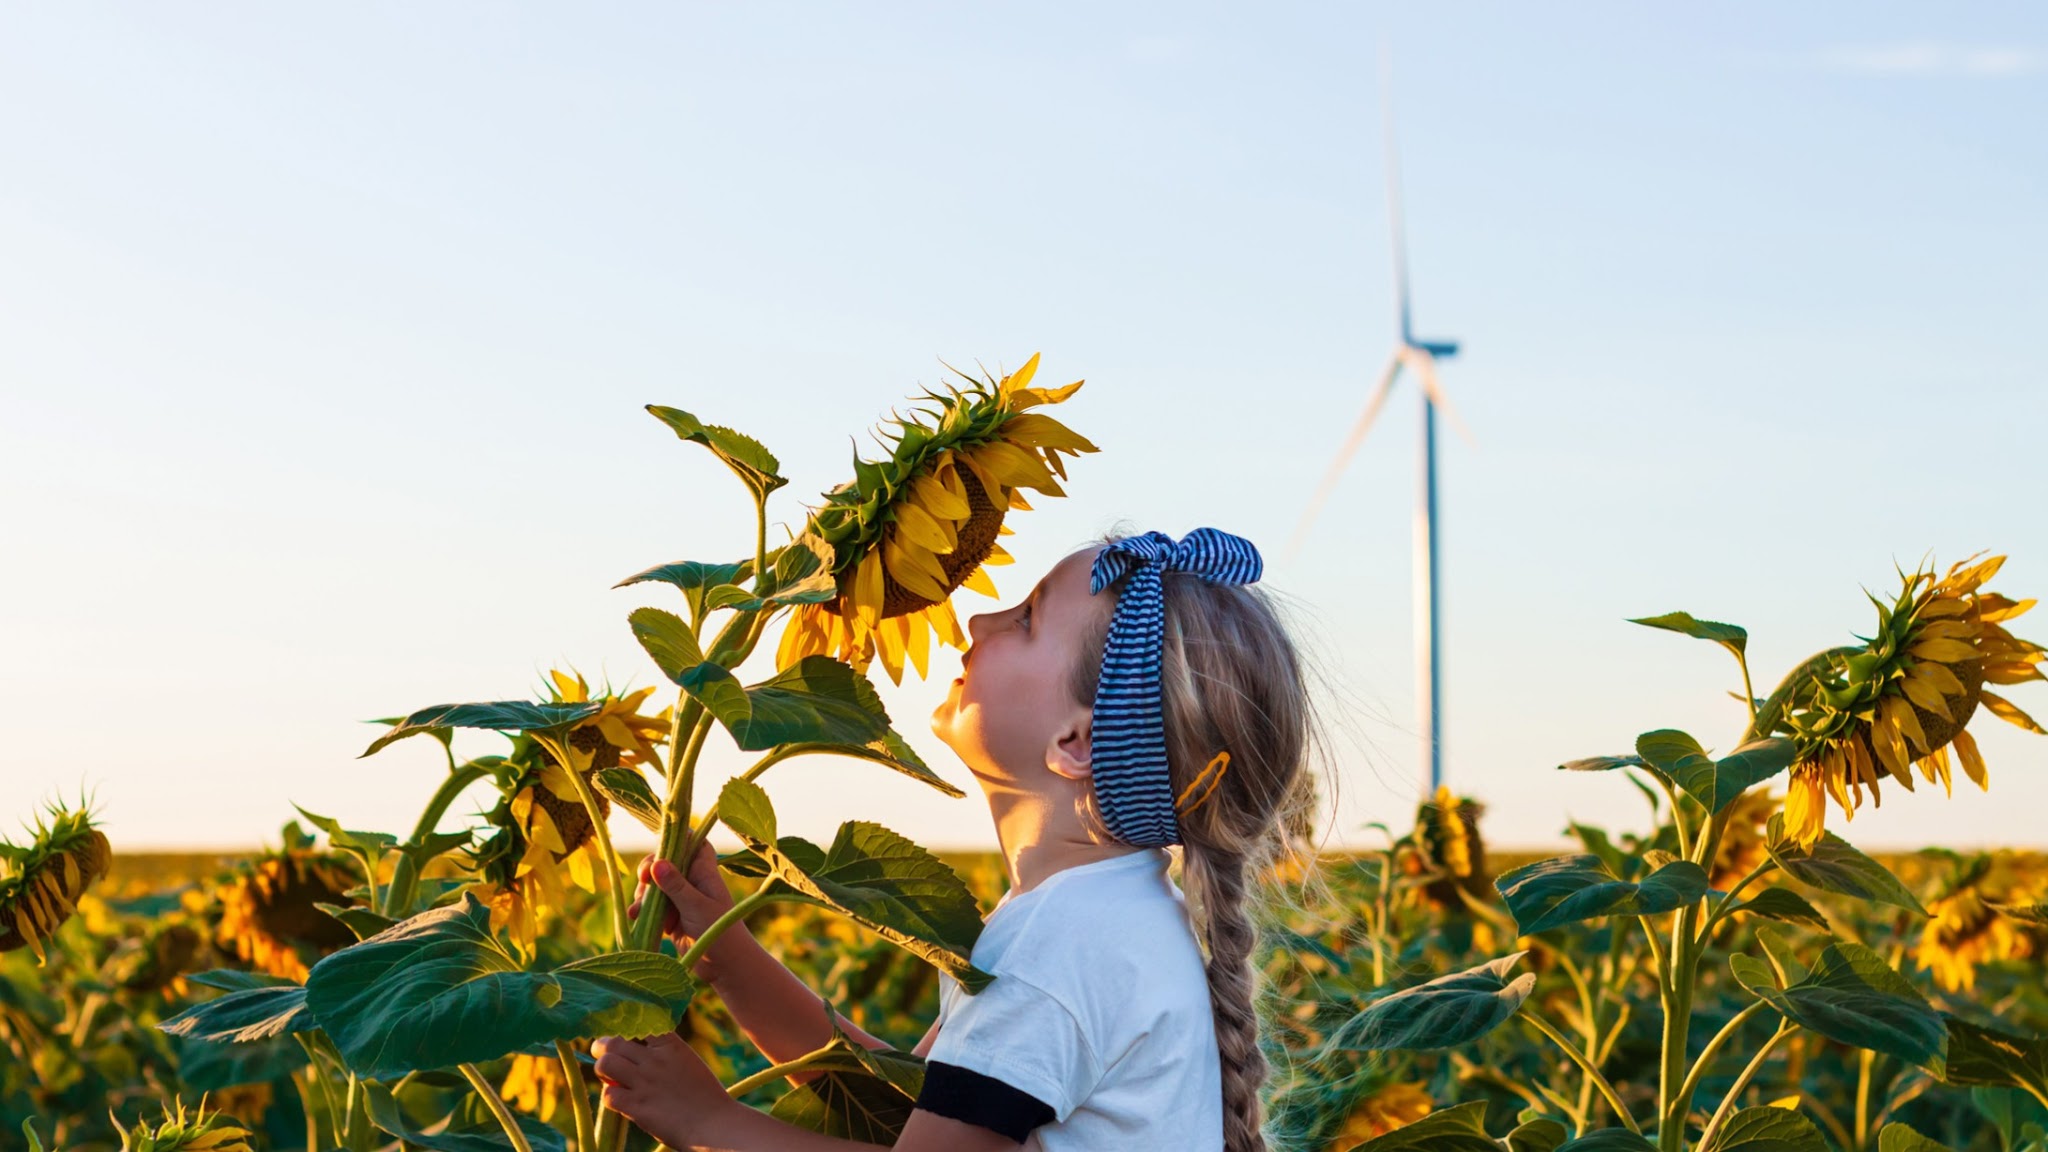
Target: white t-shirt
column 1100, row 1009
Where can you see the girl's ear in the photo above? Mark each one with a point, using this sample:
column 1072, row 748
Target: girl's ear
column 1068, row 754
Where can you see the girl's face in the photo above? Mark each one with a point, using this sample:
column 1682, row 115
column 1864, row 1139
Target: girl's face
column 1010, row 715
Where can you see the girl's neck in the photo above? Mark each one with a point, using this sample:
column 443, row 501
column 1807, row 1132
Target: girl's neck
column 1042, row 834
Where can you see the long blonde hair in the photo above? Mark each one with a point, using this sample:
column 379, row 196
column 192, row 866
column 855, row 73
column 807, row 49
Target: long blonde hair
column 1231, row 680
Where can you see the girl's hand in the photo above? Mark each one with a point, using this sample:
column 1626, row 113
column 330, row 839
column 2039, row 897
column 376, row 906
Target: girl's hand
column 662, row 1085
column 694, row 902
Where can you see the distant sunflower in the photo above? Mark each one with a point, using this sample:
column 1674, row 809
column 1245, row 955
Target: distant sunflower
column 202, row 1131
column 268, row 914
column 1392, row 1107
column 1447, row 835
column 1902, row 698
column 40, row 883
column 534, row 1084
column 909, row 530
column 1744, row 845
column 1962, row 933
column 542, row 826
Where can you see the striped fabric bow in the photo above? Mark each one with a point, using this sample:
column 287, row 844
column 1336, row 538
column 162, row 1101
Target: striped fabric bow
column 1128, row 746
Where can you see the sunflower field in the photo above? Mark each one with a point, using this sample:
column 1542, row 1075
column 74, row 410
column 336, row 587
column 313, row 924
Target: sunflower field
column 1727, row 975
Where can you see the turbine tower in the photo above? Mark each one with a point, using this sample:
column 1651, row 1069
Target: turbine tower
column 1420, row 358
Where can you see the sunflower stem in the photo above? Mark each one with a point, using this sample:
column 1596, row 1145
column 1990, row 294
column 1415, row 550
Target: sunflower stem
column 405, row 874
column 497, row 1106
column 1714, row 1046
column 733, row 915
column 740, row 1088
column 1727, row 903
column 614, row 883
column 579, row 1100
column 1585, row 1064
column 1785, row 1028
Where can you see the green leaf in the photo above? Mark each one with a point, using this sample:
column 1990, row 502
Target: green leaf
column 1444, row 1013
column 756, row 467
column 667, row 639
column 1728, row 636
column 1767, row 1130
column 864, row 1094
column 1832, row 865
column 872, row 876
column 891, row 751
column 245, row 1015
column 1602, row 763
column 1597, row 842
column 800, row 572
column 1783, row 959
column 1608, row 1140
column 1714, row 783
column 1541, row 1134
column 1978, row 1055
column 500, row 716
column 2025, row 913
column 1786, row 905
column 629, row 790
column 361, row 921
column 1565, row 890
column 698, row 582
column 439, row 989
column 1898, row 1137
column 373, row 844
column 1459, row 1129
column 232, row 980
column 1853, row 997
column 451, row 1133
column 207, row 1066
column 818, row 700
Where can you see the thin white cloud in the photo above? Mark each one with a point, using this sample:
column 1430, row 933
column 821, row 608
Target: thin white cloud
column 1929, row 58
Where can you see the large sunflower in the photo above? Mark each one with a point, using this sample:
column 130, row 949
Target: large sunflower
column 908, row 530
column 40, row 883
column 542, row 826
column 269, row 917
column 1902, row 699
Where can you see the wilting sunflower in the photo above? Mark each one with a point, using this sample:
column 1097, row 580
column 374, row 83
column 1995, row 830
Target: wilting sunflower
column 908, row 530
column 1903, row 697
column 202, row 1131
column 269, row 917
column 40, row 884
column 1392, row 1107
column 542, row 826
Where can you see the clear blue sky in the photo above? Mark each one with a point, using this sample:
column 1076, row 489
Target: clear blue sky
column 325, row 330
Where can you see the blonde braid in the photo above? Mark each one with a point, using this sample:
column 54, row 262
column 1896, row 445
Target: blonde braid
column 1215, row 882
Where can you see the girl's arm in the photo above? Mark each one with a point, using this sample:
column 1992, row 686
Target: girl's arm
column 780, row 1014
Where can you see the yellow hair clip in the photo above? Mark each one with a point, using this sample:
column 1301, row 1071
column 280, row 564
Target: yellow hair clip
column 1206, row 781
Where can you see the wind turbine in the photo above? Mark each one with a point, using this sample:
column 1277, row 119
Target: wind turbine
column 1420, row 358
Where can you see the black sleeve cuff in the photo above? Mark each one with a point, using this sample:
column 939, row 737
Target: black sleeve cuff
column 968, row 1096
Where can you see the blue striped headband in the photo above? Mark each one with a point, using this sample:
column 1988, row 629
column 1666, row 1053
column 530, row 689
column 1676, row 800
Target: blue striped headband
column 1133, row 790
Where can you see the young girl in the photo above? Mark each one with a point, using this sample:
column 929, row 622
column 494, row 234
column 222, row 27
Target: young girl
column 1140, row 697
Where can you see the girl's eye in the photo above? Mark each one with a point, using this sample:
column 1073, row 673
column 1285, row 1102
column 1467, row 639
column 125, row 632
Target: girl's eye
column 1024, row 618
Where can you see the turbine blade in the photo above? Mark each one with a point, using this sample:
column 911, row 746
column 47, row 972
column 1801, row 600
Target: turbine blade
column 1373, row 406
column 1425, row 370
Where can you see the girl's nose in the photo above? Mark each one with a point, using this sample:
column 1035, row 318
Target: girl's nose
column 975, row 625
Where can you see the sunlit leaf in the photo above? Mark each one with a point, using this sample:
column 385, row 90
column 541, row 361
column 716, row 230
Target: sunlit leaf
column 1767, row 1129
column 756, row 467
column 499, row 716
column 1898, row 1137
column 629, row 790
column 451, row 1134
column 1565, row 890
column 1458, row 1129
column 1853, row 997
column 275, row 1007
column 819, row 700
column 1541, row 1134
column 1832, row 865
column 1444, row 1013
column 1988, row 1056
column 1786, row 905
column 1729, row 636
column 697, row 581
column 440, row 989
column 667, row 639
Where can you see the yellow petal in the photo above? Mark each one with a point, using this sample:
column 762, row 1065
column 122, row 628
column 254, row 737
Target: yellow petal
column 918, row 632
column 1946, row 651
column 572, row 690
column 1925, row 694
column 1805, row 811
column 1938, row 676
column 1945, row 630
column 1034, row 430
column 931, row 494
column 1942, row 606
column 979, row 581
column 1992, row 609
column 889, row 645
column 946, row 625
column 1890, row 746
column 867, row 589
column 1896, row 713
column 1017, row 501
column 1021, row 377
column 997, row 557
column 1973, row 760
column 2015, row 672
column 924, row 531
column 915, row 569
column 1016, row 467
column 1936, row 765
column 2006, row 711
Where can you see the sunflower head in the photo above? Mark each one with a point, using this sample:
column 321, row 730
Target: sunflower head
column 534, row 1084
column 908, row 530
column 41, row 882
column 1903, row 698
column 269, row 906
column 1744, row 843
column 199, row 1131
column 1392, row 1106
column 1447, row 837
